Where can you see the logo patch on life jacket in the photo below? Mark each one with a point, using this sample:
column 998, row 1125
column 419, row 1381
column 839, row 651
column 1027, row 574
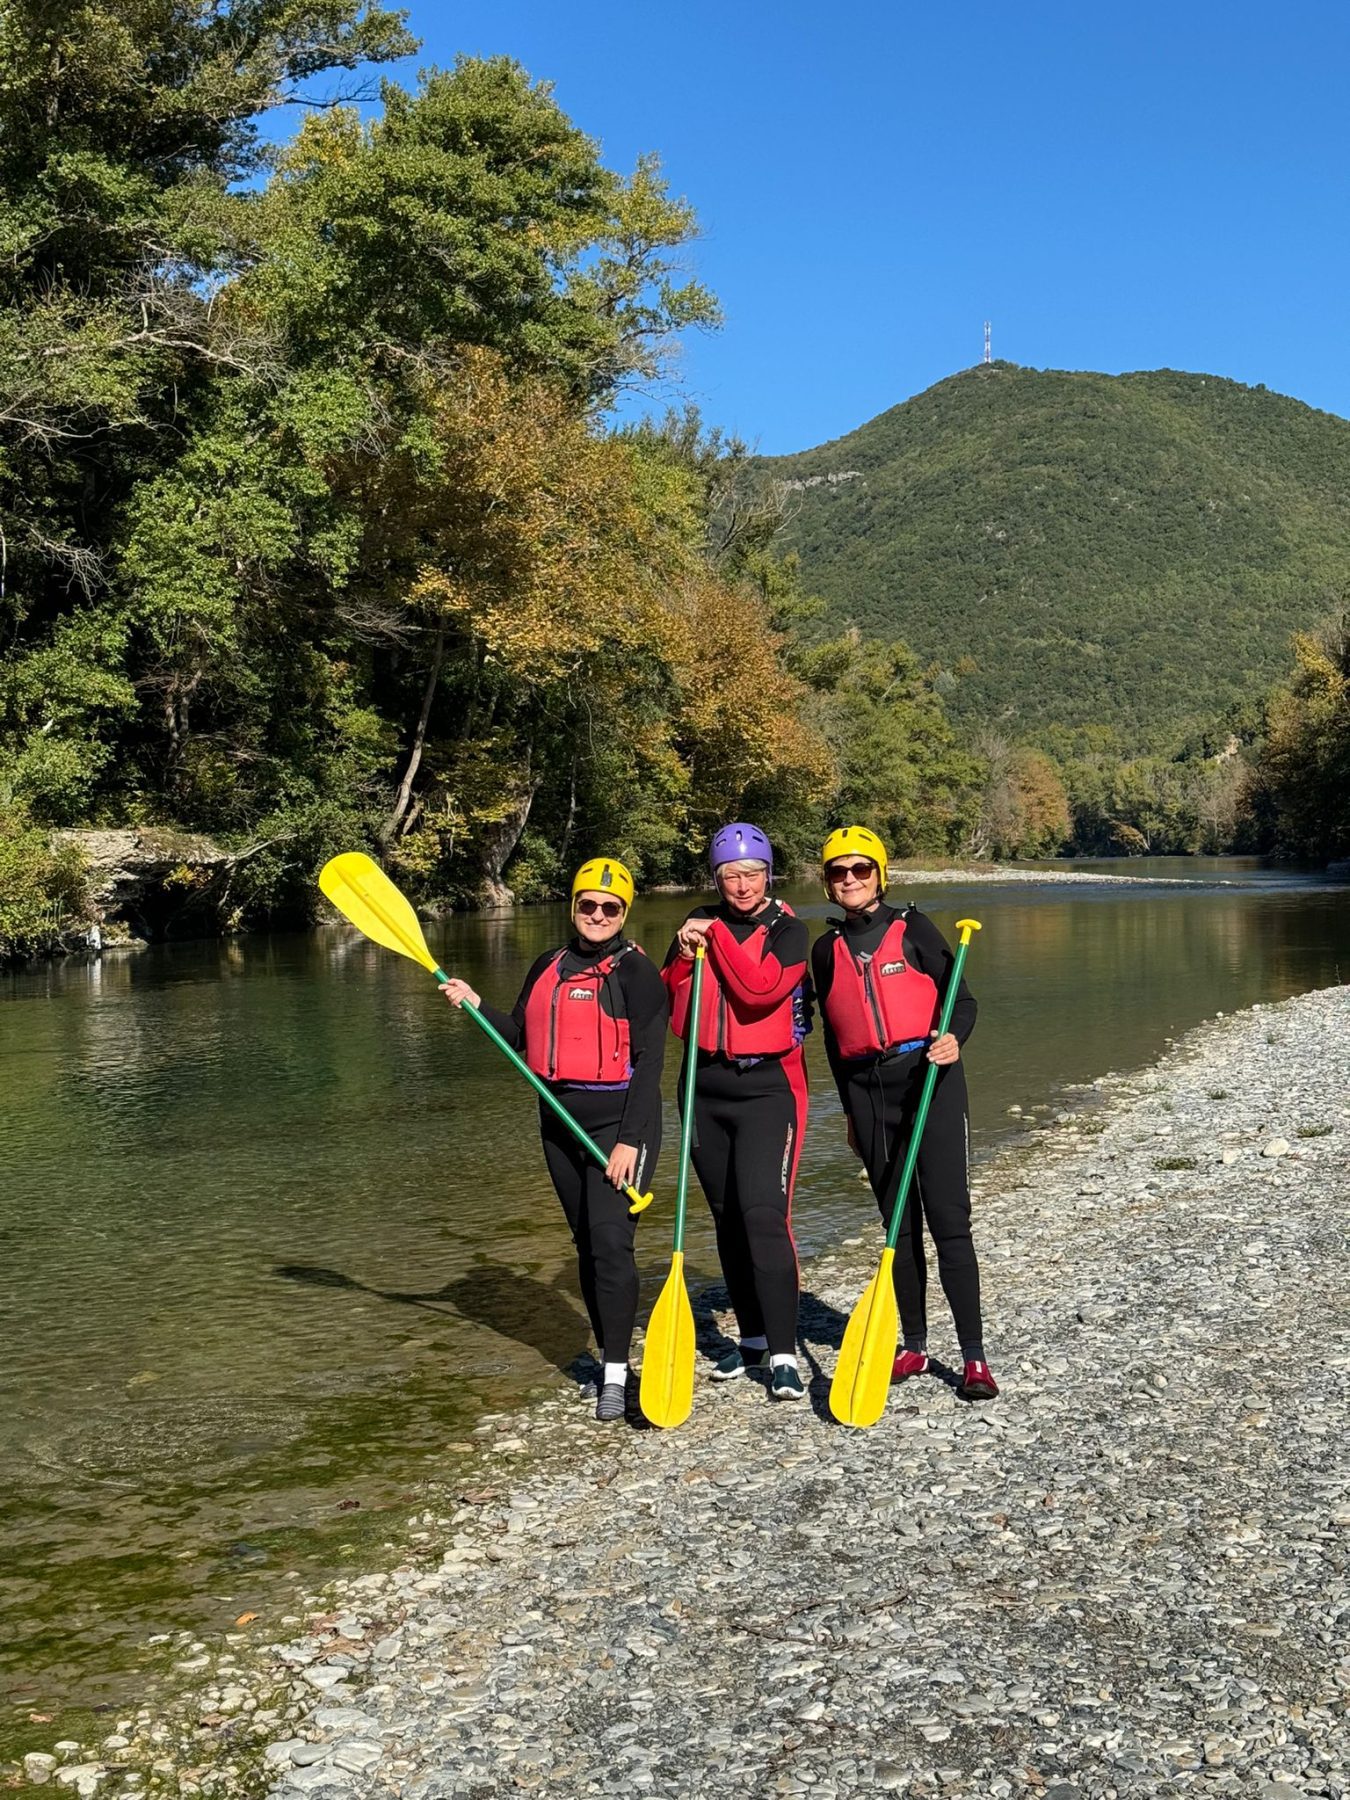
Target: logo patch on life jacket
column 895, row 968
column 580, row 994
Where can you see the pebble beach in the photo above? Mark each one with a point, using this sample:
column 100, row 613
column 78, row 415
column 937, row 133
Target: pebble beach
column 1126, row 1576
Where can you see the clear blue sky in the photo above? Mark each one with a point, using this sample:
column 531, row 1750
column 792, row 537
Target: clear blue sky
column 1115, row 187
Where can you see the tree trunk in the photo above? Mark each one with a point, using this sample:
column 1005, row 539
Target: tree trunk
column 403, row 798
column 178, row 696
column 566, row 844
column 499, row 841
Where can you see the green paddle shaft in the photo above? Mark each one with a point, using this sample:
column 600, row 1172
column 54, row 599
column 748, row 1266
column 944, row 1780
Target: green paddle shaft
column 582, row 1136
column 690, row 1078
column 925, row 1100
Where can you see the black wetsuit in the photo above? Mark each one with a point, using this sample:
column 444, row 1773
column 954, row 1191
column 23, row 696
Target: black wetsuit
column 749, row 1118
column 602, row 1227
column 881, row 1095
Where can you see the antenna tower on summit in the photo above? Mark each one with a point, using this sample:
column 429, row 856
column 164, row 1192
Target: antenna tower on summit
column 988, row 352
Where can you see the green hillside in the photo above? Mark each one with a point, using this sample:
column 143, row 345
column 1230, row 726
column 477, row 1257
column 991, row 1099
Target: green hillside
column 1131, row 550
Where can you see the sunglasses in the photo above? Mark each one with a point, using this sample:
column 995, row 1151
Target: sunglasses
column 858, row 870
column 609, row 909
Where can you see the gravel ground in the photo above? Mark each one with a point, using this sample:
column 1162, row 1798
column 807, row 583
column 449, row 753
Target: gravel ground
column 1124, row 1577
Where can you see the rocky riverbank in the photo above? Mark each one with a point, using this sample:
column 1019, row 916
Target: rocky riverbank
column 1125, row 1577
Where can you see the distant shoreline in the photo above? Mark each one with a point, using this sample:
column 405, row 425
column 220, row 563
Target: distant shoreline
column 115, row 937
column 998, row 872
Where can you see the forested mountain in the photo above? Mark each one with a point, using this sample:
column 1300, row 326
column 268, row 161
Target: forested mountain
column 1129, row 550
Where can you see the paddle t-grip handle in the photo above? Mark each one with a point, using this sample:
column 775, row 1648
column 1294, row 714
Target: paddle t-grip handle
column 637, row 1202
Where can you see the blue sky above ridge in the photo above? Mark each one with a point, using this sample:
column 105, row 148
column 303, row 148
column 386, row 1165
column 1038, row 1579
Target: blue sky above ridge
column 1115, row 189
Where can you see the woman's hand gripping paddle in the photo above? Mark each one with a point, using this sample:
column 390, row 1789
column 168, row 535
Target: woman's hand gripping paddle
column 363, row 893
column 862, row 1377
column 666, row 1394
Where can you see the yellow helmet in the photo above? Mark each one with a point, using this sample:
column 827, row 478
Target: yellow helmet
column 606, row 875
column 855, row 840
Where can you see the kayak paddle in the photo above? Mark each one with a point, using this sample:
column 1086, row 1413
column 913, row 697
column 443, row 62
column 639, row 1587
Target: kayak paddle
column 862, row 1377
column 363, row 893
column 666, row 1393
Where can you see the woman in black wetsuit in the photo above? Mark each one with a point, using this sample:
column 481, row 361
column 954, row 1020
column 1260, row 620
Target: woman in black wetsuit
column 750, row 1094
column 880, row 974
column 591, row 1021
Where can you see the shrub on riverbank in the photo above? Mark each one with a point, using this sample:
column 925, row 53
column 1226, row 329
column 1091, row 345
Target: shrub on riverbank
column 44, row 895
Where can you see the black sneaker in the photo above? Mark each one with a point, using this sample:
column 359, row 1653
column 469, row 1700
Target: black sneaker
column 786, row 1384
column 610, row 1405
column 740, row 1362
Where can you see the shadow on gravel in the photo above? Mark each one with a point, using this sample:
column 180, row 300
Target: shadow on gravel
column 503, row 1299
column 952, row 1377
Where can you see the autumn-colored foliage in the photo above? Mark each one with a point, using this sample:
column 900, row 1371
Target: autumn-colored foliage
column 1303, row 775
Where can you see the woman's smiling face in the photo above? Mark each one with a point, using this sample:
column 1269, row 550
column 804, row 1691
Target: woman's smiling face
column 743, row 885
column 855, row 881
column 597, row 916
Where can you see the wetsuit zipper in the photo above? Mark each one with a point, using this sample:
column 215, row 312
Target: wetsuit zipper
column 553, row 1029
column 870, row 991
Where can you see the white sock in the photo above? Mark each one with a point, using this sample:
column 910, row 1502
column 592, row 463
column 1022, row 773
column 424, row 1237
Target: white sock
column 616, row 1374
column 755, row 1343
column 782, row 1362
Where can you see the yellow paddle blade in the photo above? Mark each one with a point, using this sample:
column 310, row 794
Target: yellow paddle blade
column 363, row 893
column 666, row 1394
column 862, row 1377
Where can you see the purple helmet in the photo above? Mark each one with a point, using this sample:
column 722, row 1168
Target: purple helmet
column 737, row 843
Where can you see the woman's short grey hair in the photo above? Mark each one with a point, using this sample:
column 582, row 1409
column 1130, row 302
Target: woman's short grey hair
column 746, row 865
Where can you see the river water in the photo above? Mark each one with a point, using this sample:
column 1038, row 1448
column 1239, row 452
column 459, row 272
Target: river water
column 274, row 1227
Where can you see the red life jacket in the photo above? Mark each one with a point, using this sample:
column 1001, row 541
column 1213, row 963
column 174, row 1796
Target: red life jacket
column 728, row 1028
column 569, row 1036
column 878, row 1001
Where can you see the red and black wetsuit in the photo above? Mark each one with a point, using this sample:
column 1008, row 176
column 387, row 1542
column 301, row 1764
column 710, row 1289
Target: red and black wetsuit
column 591, row 1020
column 879, row 982
column 750, row 1103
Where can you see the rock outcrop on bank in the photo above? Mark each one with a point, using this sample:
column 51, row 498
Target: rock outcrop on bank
column 152, row 881
column 1125, row 1577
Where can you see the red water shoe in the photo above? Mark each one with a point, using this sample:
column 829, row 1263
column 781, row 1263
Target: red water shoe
column 978, row 1382
column 909, row 1362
